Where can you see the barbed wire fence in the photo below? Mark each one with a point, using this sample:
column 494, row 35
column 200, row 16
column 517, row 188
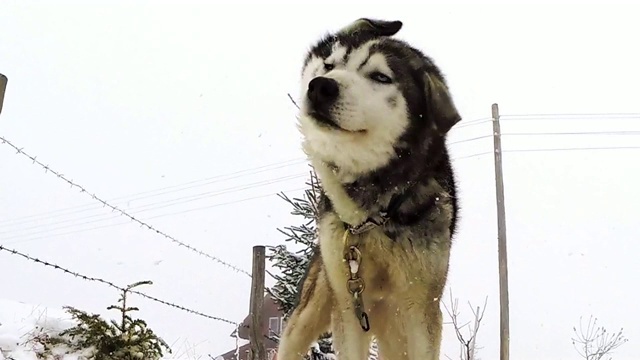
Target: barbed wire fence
column 202, row 182
column 111, row 284
column 143, row 224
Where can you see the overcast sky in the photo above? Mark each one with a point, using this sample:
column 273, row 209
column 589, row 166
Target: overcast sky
column 134, row 97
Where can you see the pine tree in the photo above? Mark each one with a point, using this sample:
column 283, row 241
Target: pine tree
column 124, row 339
column 292, row 264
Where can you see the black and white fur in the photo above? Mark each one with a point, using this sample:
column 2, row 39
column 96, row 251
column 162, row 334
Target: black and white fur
column 374, row 117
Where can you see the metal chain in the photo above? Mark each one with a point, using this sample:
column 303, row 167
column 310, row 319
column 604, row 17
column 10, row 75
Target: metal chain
column 355, row 284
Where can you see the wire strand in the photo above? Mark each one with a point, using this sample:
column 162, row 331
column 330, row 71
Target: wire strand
column 471, row 123
column 472, row 139
column 574, row 149
column 622, row 132
column 111, row 284
column 159, row 205
column 472, row 155
column 114, row 208
column 568, row 116
column 136, row 196
column 22, row 240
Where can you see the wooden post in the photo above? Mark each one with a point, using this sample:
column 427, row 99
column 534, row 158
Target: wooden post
column 502, row 237
column 256, row 336
column 3, row 88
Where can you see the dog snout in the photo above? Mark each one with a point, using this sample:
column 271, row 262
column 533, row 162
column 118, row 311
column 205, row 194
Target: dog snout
column 323, row 92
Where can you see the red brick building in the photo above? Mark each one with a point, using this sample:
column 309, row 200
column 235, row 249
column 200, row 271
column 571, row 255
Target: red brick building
column 272, row 325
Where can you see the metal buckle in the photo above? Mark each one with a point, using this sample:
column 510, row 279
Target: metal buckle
column 369, row 224
column 355, row 284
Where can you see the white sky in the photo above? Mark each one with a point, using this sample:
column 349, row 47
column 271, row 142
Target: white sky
column 134, row 97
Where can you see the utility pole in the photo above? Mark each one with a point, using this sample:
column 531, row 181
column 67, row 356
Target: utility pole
column 3, row 88
column 256, row 336
column 502, row 237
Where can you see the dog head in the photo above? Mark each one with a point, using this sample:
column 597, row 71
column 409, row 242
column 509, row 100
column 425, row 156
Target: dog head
column 366, row 96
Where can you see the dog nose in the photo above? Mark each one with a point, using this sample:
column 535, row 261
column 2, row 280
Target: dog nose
column 323, row 91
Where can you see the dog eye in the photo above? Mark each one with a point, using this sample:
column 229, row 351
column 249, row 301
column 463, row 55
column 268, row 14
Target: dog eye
column 328, row 67
column 380, row 77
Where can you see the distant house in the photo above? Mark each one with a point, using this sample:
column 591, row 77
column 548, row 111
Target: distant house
column 272, row 325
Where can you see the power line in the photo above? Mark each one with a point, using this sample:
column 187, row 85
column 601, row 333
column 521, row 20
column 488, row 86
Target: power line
column 163, row 204
column 181, row 187
column 471, row 123
column 171, row 202
column 111, row 284
column 569, row 116
column 114, row 208
column 148, row 207
column 154, row 217
column 196, row 197
column 472, row 139
column 472, row 155
column 575, row 149
column 622, row 132
column 132, row 197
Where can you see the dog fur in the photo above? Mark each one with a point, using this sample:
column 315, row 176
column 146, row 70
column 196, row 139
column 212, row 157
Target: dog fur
column 374, row 117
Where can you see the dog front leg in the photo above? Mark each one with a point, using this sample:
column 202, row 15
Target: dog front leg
column 350, row 342
column 387, row 324
column 424, row 330
column 310, row 318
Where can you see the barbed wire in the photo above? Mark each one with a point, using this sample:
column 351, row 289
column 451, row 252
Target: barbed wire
column 112, row 285
column 114, row 208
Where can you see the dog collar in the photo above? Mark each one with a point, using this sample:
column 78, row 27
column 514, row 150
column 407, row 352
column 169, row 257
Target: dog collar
column 369, row 224
column 382, row 217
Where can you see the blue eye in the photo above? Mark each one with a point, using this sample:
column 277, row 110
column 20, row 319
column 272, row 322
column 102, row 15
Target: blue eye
column 380, row 77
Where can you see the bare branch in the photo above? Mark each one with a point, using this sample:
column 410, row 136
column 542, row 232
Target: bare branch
column 468, row 347
column 594, row 342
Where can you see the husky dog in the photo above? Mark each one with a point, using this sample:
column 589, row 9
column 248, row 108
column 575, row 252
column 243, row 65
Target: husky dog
column 374, row 115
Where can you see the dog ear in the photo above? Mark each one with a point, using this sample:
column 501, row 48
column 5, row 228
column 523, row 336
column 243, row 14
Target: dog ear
column 376, row 27
column 439, row 104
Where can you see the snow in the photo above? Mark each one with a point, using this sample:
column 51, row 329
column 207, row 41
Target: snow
column 21, row 322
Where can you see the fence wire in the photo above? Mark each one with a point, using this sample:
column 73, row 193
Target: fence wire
column 61, row 176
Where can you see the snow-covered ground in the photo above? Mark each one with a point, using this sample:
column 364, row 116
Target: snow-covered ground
column 21, row 322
